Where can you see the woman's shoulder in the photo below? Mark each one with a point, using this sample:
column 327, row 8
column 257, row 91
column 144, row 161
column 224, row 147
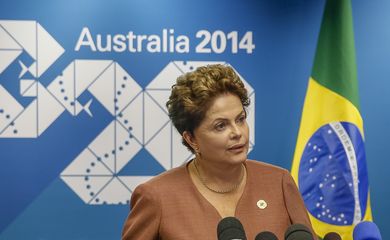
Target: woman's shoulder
column 265, row 167
column 166, row 179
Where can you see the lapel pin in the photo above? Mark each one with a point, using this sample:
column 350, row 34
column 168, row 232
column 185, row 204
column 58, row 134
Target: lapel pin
column 261, row 204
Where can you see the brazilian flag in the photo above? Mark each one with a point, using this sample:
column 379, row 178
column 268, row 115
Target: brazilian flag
column 329, row 163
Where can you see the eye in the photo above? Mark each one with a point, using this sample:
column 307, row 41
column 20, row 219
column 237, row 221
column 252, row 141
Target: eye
column 220, row 126
column 242, row 118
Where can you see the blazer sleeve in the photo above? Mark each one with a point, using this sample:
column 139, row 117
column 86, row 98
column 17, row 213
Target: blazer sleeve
column 294, row 203
column 143, row 221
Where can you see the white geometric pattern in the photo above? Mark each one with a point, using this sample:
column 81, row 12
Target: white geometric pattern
column 32, row 38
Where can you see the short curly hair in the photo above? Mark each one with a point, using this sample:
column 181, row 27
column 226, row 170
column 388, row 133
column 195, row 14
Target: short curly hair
column 194, row 92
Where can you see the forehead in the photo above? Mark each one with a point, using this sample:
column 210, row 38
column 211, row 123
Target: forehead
column 224, row 106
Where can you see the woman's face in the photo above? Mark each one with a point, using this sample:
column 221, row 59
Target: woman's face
column 222, row 136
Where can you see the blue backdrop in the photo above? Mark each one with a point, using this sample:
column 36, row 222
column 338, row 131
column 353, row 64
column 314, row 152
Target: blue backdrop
column 58, row 181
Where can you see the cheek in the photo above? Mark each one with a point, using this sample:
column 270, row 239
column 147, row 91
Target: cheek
column 245, row 130
column 218, row 141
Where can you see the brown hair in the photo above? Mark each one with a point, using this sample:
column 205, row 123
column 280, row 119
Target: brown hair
column 195, row 91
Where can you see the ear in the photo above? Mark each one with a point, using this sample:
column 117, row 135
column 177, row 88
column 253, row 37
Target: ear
column 190, row 139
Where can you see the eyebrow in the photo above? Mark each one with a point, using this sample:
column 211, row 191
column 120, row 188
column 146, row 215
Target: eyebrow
column 219, row 119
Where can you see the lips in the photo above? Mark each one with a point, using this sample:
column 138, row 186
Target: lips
column 237, row 147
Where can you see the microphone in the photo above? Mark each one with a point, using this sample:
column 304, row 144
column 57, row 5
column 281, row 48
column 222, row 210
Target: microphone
column 332, row 236
column 298, row 232
column 266, row 236
column 366, row 231
column 230, row 228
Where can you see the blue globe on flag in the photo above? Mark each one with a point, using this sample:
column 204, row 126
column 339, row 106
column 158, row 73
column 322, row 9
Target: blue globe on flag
column 332, row 174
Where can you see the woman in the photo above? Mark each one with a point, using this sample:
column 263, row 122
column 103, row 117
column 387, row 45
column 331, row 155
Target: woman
column 207, row 107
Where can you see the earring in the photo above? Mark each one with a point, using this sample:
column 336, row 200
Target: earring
column 196, row 151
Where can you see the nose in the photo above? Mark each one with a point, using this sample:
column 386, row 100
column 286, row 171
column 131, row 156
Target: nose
column 236, row 132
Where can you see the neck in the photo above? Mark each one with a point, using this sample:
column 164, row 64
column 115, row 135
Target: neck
column 224, row 178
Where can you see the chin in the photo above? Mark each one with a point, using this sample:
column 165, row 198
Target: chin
column 239, row 159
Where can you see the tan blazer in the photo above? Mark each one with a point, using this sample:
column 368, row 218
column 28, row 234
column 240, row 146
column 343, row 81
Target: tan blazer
column 170, row 207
